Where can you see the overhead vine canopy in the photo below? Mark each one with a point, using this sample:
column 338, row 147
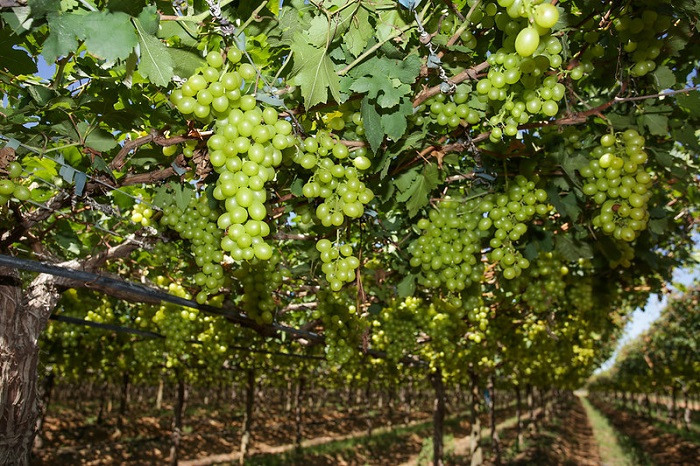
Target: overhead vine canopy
column 459, row 184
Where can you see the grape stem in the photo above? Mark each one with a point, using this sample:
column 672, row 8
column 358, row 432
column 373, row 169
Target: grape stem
column 154, row 136
column 469, row 73
column 656, row 96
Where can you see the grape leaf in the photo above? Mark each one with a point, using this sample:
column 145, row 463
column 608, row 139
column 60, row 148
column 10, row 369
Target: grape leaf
column 690, row 101
column 407, row 286
column 664, row 77
column 108, row 35
column 19, row 19
column 417, row 193
column 571, row 249
column 313, row 72
column 150, row 19
column 185, row 63
column 318, row 31
column 657, row 124
column 394, row 120
column 100, row 140
column 372, row 124
column 61, row 39
column 155, row 63
column 359, row 32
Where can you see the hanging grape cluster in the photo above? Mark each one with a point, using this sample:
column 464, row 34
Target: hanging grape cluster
column 509, row 213
column 141, row 214
column 449, row 247
column 643, row 35
column 342, row 326
column 260, row 279
column 197, row 223
column 339, row 185
column 618, row 182
column 544, row 283
column 397, row 326
column 244, row 150
column 338, row 263
column 523, row 76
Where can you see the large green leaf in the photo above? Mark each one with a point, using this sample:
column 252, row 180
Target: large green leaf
column 313, row 71
column 155, row 62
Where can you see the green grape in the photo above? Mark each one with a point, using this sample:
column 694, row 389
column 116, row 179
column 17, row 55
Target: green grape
column 14, row 169
column 527, row 41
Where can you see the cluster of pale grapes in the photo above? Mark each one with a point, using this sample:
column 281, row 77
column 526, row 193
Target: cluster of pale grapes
column 520, row 82
column 141, row 214
column 477, row 313
column 397, row 326
column 342, row 327
column 509, row 213
column 197, row 223
column 11, row 187
column 176, row 324
column 580, row 293
column 626, row 256
column 260, row 279
column 339, row 264
column 339, row 185
column 449, row 247
column 445, row 330
column 544, row 283
column 643, row 35
column 450, row 112
column 103, row 313
column 244, row 150
column 617, row 181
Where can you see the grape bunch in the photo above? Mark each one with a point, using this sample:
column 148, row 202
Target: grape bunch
column 176, row 324
column 397, row 326
column 478, row 316
column 343, row 194
column 618, row 182
column 626, row 256
column 341, row 323
column 141, row 214
column 544, row 284
column 580, row 294
column 338, row 263
column 520, row 82
column 11, row 186
column 508, row 213
column 449, row 247
column 450, row 112
column 643, row 35
column 244, row 150
column 260, row 279
column 197, row 223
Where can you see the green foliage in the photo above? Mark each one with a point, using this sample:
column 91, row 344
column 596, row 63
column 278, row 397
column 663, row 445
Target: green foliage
column 367, row 134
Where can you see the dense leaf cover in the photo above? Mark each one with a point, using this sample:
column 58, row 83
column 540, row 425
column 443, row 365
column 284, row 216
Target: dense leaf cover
column 469, row 186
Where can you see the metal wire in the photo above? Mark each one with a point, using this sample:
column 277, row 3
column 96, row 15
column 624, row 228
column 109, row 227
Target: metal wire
column 447, row 86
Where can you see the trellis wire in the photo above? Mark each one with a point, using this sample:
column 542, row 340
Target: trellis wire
column 147, row 293
column 447, row 86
